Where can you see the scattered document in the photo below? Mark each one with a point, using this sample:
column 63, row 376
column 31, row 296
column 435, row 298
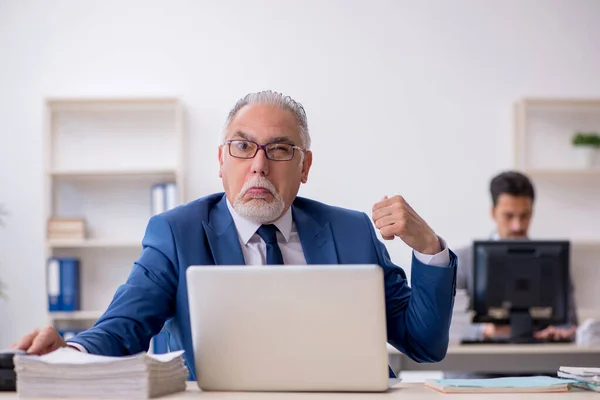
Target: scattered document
column 533, row 384
column 68, row 373
column 587, row 378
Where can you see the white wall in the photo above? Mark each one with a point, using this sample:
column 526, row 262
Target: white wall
column 403, row 97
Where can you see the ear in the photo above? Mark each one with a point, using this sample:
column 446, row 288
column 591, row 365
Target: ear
column 493, row 212
column 306, row 166
column 220, row 157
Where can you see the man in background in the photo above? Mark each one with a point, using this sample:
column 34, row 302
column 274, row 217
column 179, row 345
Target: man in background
column 513, row 197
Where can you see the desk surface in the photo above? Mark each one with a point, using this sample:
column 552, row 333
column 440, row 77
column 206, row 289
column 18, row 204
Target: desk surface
column 404, row 391
column 558, row 348
column 506, row 358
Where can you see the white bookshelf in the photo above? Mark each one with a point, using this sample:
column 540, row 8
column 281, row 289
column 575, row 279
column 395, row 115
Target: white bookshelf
column 544, row 129
column 102, row 157
column 567, row 195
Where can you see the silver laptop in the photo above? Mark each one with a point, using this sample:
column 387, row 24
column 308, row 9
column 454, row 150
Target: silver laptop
column 289, row 328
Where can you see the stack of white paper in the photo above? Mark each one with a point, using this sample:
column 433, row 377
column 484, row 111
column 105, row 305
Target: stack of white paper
column 588, row 378
column 461, row 316
column 68, row 373
column 588, row 333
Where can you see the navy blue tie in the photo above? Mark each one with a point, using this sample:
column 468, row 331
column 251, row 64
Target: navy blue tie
column 268, row 233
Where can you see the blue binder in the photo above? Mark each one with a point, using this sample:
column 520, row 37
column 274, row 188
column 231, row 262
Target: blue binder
column 69, row 283
column 63, row 284
column 53, row 285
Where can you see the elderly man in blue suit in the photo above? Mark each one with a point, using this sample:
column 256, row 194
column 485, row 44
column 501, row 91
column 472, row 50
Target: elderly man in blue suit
column 264, row 157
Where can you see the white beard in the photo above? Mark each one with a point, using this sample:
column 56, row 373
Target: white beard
column 259, row 209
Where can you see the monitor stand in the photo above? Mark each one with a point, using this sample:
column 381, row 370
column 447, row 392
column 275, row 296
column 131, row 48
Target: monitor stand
column 521, row 326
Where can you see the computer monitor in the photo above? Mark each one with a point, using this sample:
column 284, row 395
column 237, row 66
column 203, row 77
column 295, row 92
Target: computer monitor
column 521, row 283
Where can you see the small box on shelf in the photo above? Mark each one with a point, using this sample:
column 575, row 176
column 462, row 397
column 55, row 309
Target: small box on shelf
column 66, row 228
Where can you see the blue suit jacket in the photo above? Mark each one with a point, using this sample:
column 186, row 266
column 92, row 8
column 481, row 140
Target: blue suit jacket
column 203, row 233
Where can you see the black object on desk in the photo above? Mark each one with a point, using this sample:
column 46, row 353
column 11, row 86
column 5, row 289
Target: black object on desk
column 521, row 283
column 8, row 377
column 531, row 340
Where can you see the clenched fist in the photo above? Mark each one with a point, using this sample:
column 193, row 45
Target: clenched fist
column 40, row 341
column 395, row 217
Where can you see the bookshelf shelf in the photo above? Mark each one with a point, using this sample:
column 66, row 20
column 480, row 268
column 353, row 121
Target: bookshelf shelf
column 586, row 243
column 570, row 173
column 93, row 243
column 107, row 161
column 115, row 174
column 91, row 315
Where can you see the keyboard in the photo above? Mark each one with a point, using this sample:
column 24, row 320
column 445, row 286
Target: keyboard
column 515, row 341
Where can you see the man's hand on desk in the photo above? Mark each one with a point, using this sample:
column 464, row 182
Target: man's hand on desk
column 492, row 330
column 551, row 332
column 40, row 341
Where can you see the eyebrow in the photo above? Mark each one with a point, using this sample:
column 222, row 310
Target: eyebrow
column 276, row 139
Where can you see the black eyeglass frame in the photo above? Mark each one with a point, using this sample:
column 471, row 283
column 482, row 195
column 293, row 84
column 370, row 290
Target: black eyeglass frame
column 264, row 148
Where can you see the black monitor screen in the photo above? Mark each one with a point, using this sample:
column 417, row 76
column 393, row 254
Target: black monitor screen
column 521, row 277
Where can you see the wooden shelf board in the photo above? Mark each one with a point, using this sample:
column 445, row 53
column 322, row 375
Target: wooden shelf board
column 586, row 243
column 561, row 102
column 75, row 315
column 100, row 103
column 124, row 173
column 563, row 172
column 93, row 243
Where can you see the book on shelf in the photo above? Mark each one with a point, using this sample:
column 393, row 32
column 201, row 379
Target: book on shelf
column 63, row 284
column 163, row 197
column 66, row 228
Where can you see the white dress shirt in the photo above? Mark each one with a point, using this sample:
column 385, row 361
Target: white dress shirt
column 254, row 248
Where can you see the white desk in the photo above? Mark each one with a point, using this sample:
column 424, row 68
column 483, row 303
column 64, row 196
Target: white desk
column 514, row 359
column 404, row 391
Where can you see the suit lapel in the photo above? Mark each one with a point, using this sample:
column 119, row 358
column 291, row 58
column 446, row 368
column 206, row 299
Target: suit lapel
column 317, row 240
column 222, row 236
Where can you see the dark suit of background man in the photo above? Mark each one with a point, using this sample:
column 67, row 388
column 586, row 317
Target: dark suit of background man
column 264, row 156
column 513, row 197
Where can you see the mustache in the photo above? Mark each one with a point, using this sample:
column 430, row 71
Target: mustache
column 258, row 182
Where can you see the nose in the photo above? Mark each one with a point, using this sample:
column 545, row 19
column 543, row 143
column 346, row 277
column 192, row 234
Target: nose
column 516, row 225
column 260, row 163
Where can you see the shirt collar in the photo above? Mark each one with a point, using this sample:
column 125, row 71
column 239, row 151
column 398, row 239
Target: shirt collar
column 246, row 228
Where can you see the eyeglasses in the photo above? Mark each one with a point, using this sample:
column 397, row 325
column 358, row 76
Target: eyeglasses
column 274, row 151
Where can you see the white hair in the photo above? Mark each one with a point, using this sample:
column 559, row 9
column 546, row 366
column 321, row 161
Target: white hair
column 269, row 97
